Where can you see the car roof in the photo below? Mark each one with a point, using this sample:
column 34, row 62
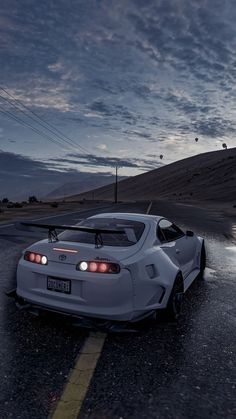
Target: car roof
column 128, row 216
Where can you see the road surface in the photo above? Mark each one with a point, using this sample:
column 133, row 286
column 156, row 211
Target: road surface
column 167, row 370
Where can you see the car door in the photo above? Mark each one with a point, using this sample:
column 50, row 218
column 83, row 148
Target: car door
column 179, row 247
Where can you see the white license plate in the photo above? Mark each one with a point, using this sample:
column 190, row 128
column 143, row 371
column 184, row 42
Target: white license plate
column 59, row 285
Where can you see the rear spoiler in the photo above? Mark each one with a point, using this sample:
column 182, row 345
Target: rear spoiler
column 52, row 233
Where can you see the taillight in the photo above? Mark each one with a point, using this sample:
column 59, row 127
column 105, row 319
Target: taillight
column 98, row 267
column 36, row 258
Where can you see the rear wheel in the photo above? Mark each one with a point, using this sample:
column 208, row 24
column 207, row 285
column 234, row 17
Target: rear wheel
column 174, row 305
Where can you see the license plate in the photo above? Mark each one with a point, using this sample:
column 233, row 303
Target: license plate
column 59, row 285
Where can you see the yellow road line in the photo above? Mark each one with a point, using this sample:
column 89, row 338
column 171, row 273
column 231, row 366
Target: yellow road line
column 79, row 379
column 149, row 208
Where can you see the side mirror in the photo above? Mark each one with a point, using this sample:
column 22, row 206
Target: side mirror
column 189, row 233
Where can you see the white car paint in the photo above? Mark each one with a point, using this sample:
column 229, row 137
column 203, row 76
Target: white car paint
column 148, row 270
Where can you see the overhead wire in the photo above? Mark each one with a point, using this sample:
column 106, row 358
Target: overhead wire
column 56, row 132
column 27, row 124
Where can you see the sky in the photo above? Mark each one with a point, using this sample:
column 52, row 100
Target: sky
column 122, row 82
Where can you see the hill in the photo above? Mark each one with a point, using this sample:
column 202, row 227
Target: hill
column 83, row 184
column 205, row 177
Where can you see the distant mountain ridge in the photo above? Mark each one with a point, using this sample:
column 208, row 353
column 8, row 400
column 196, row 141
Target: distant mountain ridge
column 207, row 176
column 80, row 186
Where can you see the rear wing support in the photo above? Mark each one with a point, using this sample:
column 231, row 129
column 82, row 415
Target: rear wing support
column 53, row 236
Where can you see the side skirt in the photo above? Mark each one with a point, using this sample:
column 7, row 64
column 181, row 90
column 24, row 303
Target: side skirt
column 190, row 278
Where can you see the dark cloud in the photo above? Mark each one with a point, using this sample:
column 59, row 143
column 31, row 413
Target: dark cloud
column 114, row 111
column 99, row 106
column 93, row 161
column 214, row 127
column 90, row 160
column 139, row 134
column 187, row 105
column 21, row 176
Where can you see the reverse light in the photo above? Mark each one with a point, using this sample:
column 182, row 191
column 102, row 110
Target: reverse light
column 98, row 267
column 44, row 260
column 36, row 258
column 83, row 266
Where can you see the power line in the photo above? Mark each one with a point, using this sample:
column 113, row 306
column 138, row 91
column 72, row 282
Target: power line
column 69, row 141
column 15, row 106
column 19, row 120
column 60, row 134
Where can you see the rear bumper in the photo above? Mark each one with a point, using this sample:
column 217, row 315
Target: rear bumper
column 51, row 305
column 104, row 297
column 81, row 321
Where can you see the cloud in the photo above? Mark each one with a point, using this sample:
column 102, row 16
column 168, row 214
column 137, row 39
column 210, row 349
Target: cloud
column 91, row 160
column 191, row 37
column 93, row 115
column 110, row 110
column 21, row 176
column 102, row 147
column 214, row 127
column 56, row 67
column 101, row 108
column 139, row 134
column 137, row 75
column 44, row 96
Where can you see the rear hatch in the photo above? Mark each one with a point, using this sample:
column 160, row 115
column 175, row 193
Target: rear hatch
column 73, row 253
column 104, row 295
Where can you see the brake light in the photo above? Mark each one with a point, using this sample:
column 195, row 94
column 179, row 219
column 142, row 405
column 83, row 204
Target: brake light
column 93, row 267
column 102, row 267
column 98, row 267
column 36, row 258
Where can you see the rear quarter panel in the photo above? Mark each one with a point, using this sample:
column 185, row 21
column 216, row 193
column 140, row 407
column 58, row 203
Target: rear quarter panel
column 153, row 275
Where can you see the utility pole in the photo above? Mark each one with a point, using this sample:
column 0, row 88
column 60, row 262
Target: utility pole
column 116, row 187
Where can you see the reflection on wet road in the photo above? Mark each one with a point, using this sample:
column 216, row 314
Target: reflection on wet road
column 167, row 370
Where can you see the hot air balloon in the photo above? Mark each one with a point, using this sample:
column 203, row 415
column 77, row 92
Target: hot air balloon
column 161, row 156
column 196, row 139
column 224, row 145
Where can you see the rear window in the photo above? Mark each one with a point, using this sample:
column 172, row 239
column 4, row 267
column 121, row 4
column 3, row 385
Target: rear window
column 133, row 231
column 168, row 231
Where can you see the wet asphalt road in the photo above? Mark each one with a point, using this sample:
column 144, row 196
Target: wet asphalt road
column 167, row 370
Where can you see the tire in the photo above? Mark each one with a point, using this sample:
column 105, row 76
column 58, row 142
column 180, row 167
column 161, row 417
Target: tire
column 174, row 305
column 202, row 260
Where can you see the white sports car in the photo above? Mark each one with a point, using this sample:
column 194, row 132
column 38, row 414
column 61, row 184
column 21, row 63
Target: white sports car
column 115, row 266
